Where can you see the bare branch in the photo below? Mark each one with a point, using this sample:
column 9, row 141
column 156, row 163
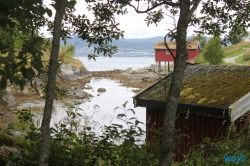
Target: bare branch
column 166, row 45
column 155, row 6
column 172, row 18
column 191, row 11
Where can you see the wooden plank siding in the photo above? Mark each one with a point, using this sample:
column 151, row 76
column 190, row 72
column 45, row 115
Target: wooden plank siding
column 162, row 56
column 195, row 127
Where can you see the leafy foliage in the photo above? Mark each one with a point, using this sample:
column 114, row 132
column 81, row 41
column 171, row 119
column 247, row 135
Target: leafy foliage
column 213, row 51
column 20, row 47
column 236, row 35
column 73, row 143
column 246, row 56
column 202, row 41
column 212, row 153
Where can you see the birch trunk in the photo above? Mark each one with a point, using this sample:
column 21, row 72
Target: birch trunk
column 168, row 143
column 50, row 93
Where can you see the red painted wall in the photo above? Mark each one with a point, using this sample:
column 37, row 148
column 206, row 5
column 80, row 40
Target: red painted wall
column 161, row 55
column 195, row 126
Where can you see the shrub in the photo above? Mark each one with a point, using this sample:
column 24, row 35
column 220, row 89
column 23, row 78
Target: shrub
column 246, row 56
column 212, row 153
column 72, row 143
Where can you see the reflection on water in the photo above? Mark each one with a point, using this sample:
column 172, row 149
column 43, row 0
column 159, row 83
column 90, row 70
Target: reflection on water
column 115, row 96
column 123, row 63
column 100, row 109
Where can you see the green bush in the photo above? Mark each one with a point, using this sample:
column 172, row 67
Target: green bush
column 72, row 143
column 246, row 56
column 212, row 153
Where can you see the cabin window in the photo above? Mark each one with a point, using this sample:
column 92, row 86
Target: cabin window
column 167, row 52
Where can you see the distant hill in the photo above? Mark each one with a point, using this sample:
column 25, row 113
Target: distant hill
column 126, row 47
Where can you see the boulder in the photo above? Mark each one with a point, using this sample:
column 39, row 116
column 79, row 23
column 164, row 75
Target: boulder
column 81, row 71
column 101, row 90
column 5, row 150
column 9, row 98
column 78, row 94
column 67, row 73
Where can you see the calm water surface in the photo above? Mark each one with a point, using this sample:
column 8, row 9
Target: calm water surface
column 123, row 63
column 100, row 109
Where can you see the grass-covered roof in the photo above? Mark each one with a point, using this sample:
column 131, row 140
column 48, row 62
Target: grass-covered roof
column 209, row 86
column 172, row 45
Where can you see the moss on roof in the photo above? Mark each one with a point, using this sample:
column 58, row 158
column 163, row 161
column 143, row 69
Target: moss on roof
column 172, row 45
column 210, row 86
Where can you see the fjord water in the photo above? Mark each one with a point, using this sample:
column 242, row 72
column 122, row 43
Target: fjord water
column 123, row 63
column 100, row 108
column 102, row 105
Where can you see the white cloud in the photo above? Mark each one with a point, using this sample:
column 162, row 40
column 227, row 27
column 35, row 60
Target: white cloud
column 132, row 23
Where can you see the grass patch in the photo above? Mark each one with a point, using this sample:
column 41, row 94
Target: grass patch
column 236, row 49
column 65, row 56
column 239, row 60
column 245, row 59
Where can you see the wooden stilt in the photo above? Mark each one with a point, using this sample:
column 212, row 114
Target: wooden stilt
column 160, row 67
column 168, row 67
column 165, row 68
column 155, row 66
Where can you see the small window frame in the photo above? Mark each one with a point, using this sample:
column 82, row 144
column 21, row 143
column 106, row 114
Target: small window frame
column 167, row 52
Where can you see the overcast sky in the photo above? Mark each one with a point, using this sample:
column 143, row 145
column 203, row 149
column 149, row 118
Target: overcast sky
column 133, row 24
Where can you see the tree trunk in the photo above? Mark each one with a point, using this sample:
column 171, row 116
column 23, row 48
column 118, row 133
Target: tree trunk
column 168, row 142
column 50, row 92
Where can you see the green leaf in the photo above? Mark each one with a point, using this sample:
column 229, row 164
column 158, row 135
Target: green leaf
column 3, row 83
column 30, row 74
column 120, row 115
column 49, row 12
column 124, row 105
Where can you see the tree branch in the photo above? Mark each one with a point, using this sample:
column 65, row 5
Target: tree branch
column 155, row 6
column 166, row 45
column 191, row 11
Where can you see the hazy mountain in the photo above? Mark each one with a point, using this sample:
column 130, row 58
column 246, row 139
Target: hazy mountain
column 126, row 47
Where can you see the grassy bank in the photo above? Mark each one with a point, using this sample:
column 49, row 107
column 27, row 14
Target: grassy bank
column 66, row 57
column 237, row 49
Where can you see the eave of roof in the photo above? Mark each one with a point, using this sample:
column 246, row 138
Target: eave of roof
column 206, row 86
column 172, row 45
column 207, row 111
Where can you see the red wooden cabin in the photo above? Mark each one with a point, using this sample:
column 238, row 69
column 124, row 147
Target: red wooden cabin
column 211, row 98
column 163, row 55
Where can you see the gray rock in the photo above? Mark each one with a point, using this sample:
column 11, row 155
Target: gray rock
column 5, row 150
column 25, row 91
column 130, row 71
column 101, row 90
column 117, row 70
column 9, row 98
column 67, row 73
column 81, row 71
column 145, row 79
column 79, row 94
column 135, row 81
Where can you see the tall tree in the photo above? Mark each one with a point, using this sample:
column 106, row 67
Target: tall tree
column 215, row 20
column 213, row 51
column 202, row 41
column 50, row 91
column 27, row 17
column 101, row 32
column 238, row 34
column 20, row 44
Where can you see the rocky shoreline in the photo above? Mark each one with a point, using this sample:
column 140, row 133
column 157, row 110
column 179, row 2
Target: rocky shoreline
column 74, row 81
